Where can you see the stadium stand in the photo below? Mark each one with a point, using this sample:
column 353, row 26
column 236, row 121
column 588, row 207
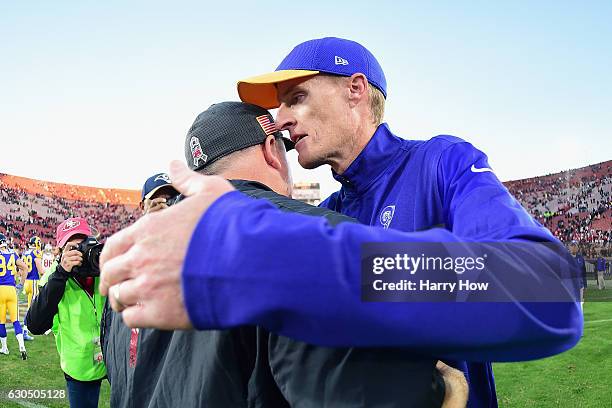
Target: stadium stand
column 32, row 207
column 574, row 205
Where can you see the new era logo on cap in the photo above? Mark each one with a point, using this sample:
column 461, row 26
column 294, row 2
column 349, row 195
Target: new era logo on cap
column 340, row 61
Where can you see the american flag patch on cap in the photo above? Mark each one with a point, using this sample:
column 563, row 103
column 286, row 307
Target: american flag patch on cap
column 267, row 124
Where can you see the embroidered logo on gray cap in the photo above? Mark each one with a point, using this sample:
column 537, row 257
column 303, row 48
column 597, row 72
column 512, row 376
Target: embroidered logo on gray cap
column 196, row 151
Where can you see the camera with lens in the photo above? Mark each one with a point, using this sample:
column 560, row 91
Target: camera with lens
column 91, row 250
column 175, row 199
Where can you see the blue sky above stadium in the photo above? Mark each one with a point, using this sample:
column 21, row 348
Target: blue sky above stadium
column 102, row 93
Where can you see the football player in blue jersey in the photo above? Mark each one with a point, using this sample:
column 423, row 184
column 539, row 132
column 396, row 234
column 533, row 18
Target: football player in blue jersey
column 32, row 258
column 10, row 267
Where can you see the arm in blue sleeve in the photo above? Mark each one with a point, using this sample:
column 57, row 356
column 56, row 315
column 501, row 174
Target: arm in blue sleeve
column 249, row 263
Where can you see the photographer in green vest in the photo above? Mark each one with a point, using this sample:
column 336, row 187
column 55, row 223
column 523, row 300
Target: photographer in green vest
column 70, row 305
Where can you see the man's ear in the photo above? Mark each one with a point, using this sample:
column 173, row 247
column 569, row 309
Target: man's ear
column 271, row 154
column 358, row 88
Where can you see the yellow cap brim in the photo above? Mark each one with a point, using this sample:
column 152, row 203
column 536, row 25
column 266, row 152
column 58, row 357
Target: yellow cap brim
column 261, row 90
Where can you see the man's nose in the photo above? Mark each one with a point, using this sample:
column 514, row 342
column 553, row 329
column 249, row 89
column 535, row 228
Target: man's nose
column 284, row 119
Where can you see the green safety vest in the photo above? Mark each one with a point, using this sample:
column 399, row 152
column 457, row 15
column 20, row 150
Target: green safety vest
column 76, row 327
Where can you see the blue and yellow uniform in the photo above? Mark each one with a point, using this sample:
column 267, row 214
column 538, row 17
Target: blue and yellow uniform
column 31, row 284
column 8, row 293
column 8, row 298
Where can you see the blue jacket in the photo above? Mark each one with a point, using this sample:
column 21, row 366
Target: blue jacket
column 581, row 270
column 601, row 264
column 247, row 263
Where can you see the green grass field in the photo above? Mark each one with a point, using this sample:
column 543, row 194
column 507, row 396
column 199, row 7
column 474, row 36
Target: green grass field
column 41, row 371
column 581, row 377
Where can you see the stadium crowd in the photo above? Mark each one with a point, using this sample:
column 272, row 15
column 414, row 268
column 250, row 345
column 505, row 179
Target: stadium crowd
column 37, row 209
column 574, row 205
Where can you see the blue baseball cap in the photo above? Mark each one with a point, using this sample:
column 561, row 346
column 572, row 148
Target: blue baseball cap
column 328, row 55
column 154, row 183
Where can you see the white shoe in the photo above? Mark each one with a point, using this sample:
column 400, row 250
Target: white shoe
column 4, row 351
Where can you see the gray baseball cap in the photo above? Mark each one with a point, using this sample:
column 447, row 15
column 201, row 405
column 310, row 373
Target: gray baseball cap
column 225, row 128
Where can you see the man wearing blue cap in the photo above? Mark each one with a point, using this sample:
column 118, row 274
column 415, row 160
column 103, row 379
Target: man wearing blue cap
column 330, row 94
column 156, row 192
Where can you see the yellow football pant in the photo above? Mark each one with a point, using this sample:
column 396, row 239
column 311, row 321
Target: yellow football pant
column 31, row 289
column 8, row 302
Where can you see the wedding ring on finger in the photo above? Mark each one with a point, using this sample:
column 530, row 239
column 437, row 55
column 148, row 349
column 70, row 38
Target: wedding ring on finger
column 116, row 292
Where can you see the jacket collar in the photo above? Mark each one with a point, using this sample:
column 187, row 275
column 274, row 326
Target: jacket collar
column 246, row 184
column 372, row 162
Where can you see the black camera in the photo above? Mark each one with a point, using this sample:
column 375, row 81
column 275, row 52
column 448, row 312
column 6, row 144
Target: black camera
column 175, row 199
column 91, row 250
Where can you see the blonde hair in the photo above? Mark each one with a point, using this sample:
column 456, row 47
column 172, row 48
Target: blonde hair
column 377, row 104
